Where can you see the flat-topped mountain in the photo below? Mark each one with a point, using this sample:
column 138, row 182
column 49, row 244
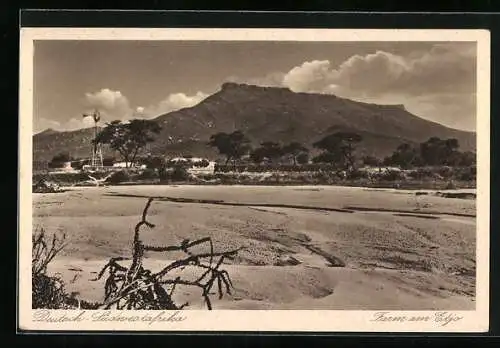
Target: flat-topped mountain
column 270, row 113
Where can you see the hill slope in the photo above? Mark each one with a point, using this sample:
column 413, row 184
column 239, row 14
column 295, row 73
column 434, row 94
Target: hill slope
column 270, row 113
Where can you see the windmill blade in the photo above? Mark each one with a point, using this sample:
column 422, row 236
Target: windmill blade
column 97, row 116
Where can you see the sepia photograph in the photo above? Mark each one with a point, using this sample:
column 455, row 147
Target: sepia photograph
column 322, row 172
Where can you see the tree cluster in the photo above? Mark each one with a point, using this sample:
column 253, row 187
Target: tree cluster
column 433, row 152
column 234, row 146
column 337, row 148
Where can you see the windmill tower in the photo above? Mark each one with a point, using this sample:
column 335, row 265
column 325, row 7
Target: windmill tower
column 96, row 157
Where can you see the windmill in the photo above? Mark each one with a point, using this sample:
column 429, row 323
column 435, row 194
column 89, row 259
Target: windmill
column 96, row 147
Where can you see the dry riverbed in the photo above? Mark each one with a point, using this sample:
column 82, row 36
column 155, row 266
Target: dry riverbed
column 314, row 247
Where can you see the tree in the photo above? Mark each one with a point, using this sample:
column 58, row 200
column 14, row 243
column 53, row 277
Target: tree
column 436, row 151
column 405, row 156
column 257, row 155
column 153, row 162
column 303, row 158
column 62, row 157
column 467, row 159
column 371, row 161
column 59, row 159
column 328, row 157
column 269, row 150
column 232, row 145
column 294, row 149
column 340, row 148
column 128, row 138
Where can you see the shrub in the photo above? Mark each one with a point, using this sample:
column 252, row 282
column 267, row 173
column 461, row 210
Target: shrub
column 47, row 292
column 44, row 186
column 445, row 172
column 371, row 161
column 153, row 162
column 78, row 164
column 118, row 177
column 357, row 174
column 450, row 185
column 391, row 175
column 179, row 173
column 202, row 164
column 303, row 158
column 421, row 173
column 59, row 159
column 148, row 174
column 466, row 174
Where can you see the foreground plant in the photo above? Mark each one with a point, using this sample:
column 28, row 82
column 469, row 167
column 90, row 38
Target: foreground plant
column 47, row 291
column 136, row 288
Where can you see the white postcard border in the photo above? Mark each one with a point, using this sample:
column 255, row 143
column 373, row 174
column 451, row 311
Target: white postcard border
column 243, row 320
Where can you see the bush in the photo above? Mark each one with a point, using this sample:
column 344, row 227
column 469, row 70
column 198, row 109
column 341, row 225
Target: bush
column 153, row 162
column 371, row 161
column 201, row 164
column 421, row 173
column 148, row 174
column 59, row 159
column 467, row 174
column 118, row 177
column 357, row 174
column 303, row 158
column 177, row 173
column 61, row 178
column 391, row 175
column 47, row 292
column 445, row 172
column 44, row 186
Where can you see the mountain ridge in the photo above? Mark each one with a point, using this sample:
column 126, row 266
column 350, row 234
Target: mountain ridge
column 271, row 113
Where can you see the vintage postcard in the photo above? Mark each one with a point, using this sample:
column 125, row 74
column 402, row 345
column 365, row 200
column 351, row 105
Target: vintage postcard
column 254, row 180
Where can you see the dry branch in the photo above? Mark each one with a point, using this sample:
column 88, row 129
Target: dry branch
column 138, row 288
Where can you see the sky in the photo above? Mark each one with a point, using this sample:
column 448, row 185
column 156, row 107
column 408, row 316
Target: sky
column 144, row 79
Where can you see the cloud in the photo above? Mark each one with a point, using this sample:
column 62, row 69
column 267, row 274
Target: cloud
column 173, row 102
column 72, row 124
column 111, row 104
column 445, row 68
column 311, row 76
column 439, row 84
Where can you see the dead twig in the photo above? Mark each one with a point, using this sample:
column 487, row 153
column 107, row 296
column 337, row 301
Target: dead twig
column 138, row 288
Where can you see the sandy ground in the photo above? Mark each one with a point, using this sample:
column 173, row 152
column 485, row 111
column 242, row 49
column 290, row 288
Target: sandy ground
column 401, row 251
